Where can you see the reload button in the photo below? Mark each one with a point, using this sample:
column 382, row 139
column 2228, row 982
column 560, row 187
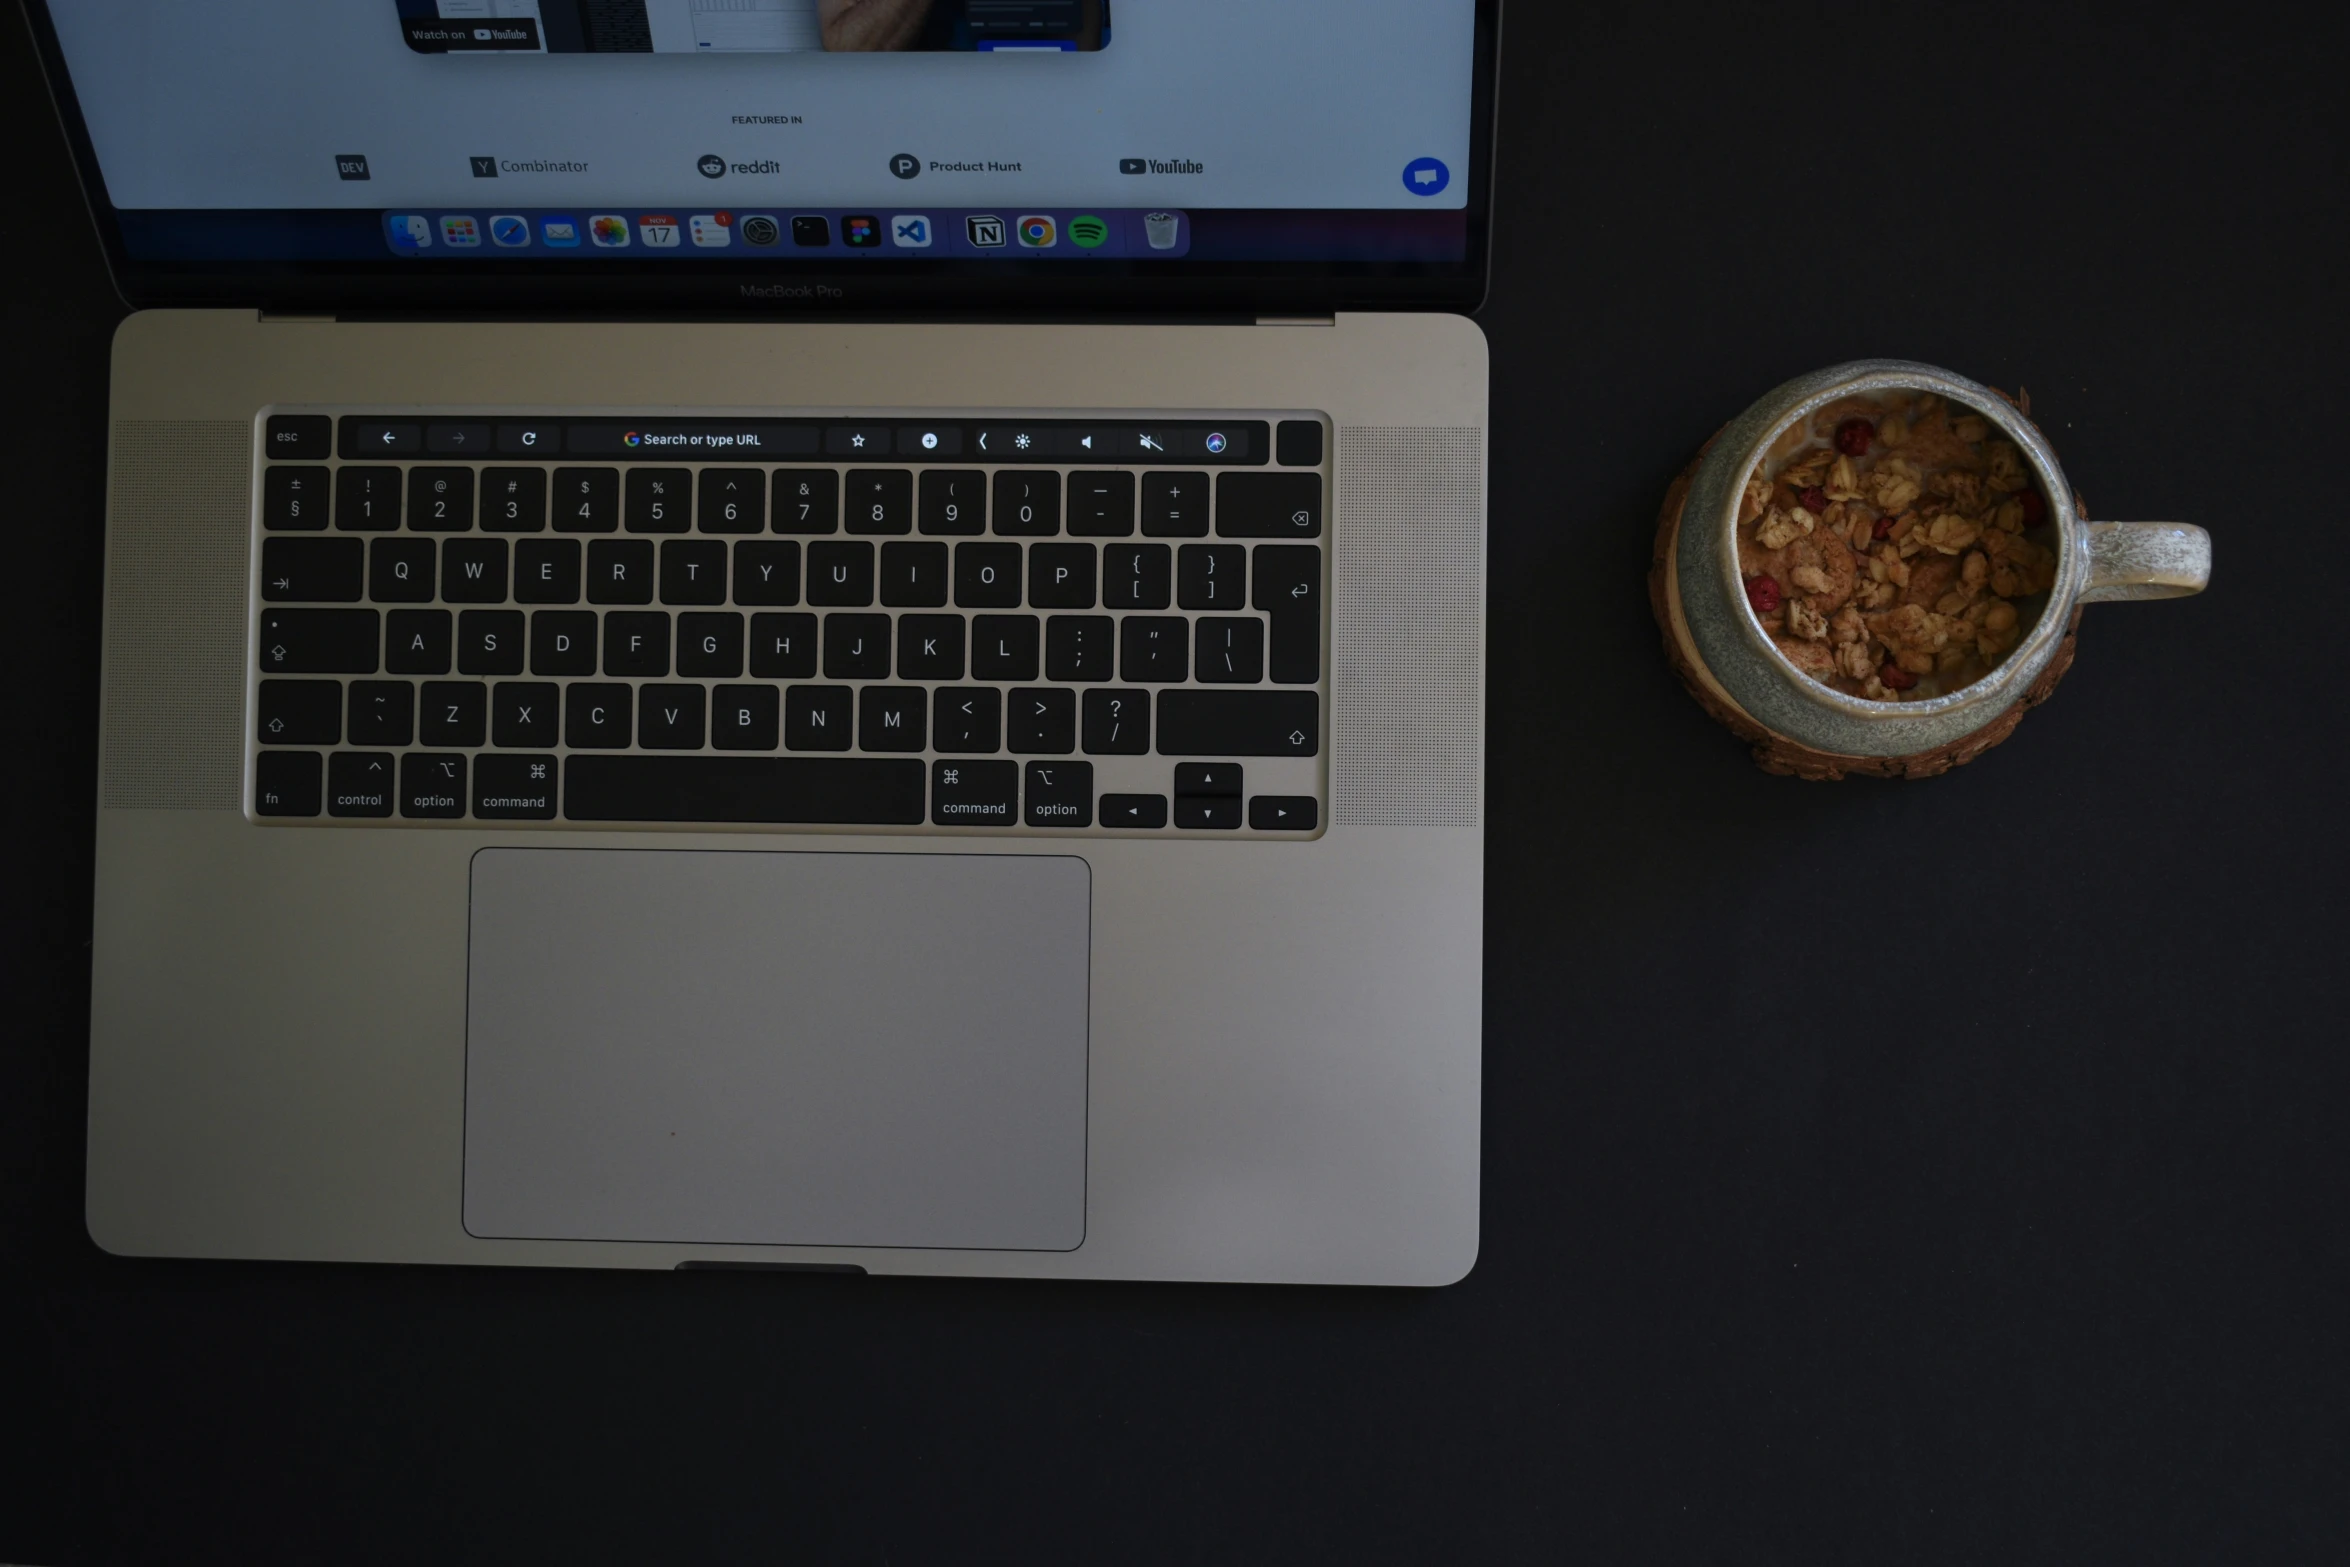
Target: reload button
column 530, row 440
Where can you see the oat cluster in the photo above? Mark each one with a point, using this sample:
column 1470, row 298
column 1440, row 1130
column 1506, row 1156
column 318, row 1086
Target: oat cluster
column 1884, row 544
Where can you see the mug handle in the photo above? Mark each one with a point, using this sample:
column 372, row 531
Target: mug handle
column 2144, row 560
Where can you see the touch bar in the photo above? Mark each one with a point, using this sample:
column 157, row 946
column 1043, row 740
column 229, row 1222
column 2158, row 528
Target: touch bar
column 844, row 790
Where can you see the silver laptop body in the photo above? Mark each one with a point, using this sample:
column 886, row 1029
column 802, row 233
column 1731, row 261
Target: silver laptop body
column 689, row 964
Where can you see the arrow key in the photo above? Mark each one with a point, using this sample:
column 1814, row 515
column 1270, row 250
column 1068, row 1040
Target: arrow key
column 1283, row 812
column 1212, row 811
column 1134, row 810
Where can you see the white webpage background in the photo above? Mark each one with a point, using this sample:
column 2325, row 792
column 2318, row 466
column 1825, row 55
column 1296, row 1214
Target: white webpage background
column 1288, row 103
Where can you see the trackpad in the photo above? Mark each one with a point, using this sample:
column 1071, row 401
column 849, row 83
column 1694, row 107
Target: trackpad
column 783, row 1049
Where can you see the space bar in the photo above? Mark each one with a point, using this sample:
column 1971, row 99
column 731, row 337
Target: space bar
column 743, row 789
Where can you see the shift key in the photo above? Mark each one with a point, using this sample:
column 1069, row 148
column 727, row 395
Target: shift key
column 1239, row 723
column 319, row 641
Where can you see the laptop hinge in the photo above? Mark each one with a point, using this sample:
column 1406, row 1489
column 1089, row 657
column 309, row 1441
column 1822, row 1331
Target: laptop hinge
column 1297, row 321
column 272, row 315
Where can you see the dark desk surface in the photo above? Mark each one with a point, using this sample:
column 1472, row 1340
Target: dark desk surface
column 2042, row 1260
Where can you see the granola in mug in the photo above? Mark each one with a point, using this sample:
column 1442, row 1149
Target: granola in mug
column 1895, row 547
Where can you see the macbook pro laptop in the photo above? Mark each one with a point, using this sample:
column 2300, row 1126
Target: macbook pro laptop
column 821, row 634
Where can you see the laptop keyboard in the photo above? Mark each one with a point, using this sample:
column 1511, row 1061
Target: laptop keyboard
column 991, row 623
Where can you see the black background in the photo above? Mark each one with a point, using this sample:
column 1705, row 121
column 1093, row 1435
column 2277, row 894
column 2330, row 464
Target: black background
column 1932, row 1172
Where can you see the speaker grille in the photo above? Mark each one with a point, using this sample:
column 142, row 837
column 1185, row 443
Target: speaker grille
column 1408, row 633
column 179, row 515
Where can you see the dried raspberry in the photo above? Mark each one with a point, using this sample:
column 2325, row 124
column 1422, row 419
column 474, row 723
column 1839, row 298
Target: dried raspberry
column 1896, row 678
column 1883, row 529
column 2035, row 509
column 1853, row 437
column 1815, row 500
column 1763, row 594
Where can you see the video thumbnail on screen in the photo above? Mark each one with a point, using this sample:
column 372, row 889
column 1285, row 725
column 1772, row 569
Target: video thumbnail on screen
column 750, row 26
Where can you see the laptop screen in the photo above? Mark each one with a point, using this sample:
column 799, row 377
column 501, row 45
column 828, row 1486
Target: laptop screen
column 881, row 145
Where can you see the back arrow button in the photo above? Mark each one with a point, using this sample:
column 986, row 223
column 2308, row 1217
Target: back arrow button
column 366, row 437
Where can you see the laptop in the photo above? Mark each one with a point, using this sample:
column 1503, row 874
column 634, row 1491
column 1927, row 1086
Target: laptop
column 835, row 635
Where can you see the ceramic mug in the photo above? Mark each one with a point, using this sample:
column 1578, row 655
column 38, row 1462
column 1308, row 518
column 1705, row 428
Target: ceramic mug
column 1735, row 670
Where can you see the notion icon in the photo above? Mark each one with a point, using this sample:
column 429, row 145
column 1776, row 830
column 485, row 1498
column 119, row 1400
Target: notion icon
column 609, row 230
column 409, row 231
column 985, row 233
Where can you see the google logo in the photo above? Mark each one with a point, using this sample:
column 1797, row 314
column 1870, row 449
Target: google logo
column 632, row 439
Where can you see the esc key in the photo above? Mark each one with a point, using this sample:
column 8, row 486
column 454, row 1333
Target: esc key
column 297, row 435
